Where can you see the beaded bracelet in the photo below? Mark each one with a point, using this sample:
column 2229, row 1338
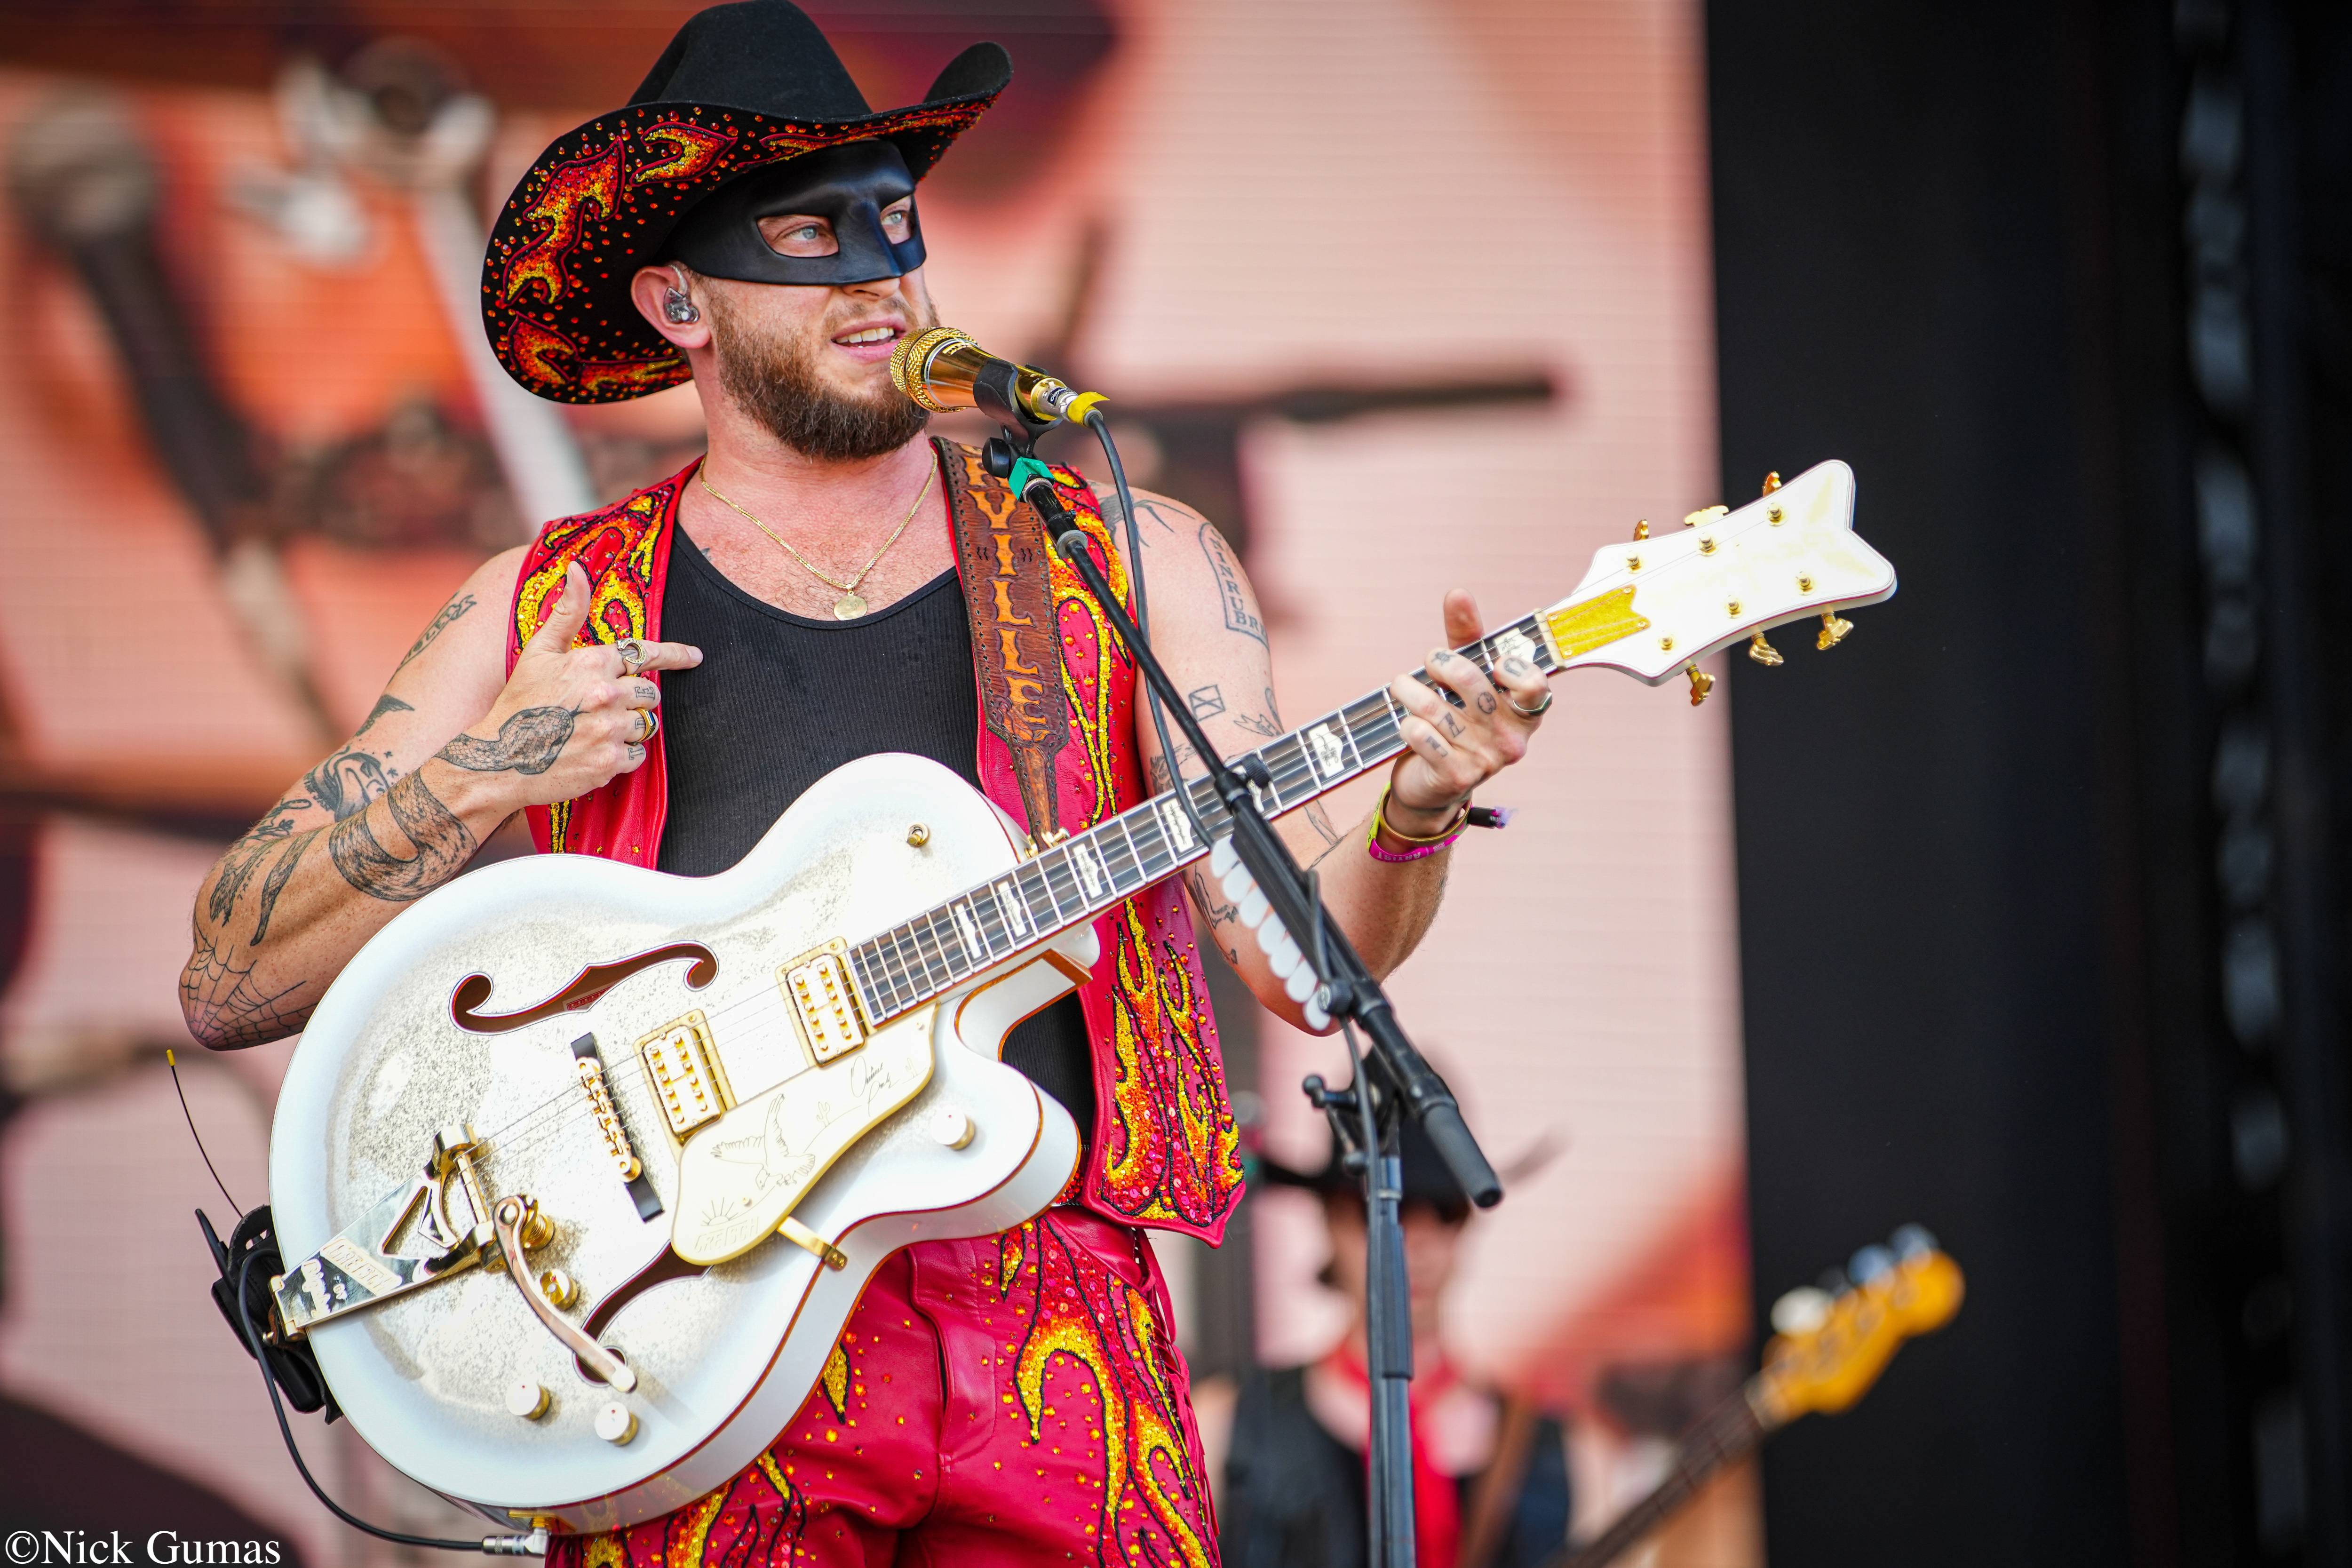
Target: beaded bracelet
column 1422, row 847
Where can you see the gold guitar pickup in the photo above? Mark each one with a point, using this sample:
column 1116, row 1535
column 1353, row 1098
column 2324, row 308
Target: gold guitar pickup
column 685, row 1073
column 825, row 1001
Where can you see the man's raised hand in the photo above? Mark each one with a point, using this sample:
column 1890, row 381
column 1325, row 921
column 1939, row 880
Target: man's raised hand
column 569, row 717
column 1451, row 751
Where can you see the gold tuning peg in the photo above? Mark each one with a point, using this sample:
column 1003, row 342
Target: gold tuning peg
column 1704, row 514
column 1762, row 652
column 1642, row 529
column 1701, row 683
column 1771, row 482
column 1834, row 628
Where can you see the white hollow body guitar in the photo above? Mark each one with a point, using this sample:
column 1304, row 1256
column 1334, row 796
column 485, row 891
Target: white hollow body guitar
column 580, row 1168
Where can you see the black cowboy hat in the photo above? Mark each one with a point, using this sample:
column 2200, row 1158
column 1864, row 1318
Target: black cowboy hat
column 740, row 88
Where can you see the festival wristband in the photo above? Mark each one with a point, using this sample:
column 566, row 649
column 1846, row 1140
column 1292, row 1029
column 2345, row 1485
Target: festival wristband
column 1420, row 848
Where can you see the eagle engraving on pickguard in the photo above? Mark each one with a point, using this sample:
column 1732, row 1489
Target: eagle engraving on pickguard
column 741, row 1175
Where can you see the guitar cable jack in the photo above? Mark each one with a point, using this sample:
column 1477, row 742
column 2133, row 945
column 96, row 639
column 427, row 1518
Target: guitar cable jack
column 534, row 1544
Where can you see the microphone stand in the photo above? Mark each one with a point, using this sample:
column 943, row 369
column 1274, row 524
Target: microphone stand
column 1392, row 1082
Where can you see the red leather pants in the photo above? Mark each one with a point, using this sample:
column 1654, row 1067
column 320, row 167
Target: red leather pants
column 1015, row 1399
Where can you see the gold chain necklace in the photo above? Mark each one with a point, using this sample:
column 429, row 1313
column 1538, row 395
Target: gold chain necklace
column 850, row 605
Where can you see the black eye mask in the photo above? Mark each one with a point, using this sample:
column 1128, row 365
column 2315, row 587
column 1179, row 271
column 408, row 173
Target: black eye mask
column 848, row 186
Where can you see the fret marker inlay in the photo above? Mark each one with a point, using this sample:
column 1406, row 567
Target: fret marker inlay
column 1016, row 913
column 1331, row 756
column 1090, row 870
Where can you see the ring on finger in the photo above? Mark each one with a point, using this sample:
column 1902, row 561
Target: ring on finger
column 652, row 721
column 1535, row 713
column 633, row 655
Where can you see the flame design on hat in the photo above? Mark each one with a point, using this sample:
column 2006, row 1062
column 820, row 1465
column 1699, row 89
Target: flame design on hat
column 740, row 88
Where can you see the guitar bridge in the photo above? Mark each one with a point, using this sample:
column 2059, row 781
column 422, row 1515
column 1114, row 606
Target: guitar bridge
column 685, row 1072
column 590, row 1065
column 824, row 999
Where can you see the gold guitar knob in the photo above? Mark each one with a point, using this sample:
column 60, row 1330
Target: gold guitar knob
column 1762, row 652
column 1771, row 482
column 559, row 1287
column 1642, row 529
column 536, row 1230
column 1701, row 683
column 1834, row 628
column 526, row 1400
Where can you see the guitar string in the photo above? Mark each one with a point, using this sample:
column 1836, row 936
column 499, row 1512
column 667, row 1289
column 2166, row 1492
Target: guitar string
column 1718, row 1438
column 544, row 1121
column 526, row 1129
column 533, row 1126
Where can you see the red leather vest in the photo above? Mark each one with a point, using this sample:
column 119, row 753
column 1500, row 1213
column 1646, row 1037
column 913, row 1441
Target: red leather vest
column 1166, row 1151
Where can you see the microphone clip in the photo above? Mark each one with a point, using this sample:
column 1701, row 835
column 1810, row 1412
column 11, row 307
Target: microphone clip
column 1019, row 466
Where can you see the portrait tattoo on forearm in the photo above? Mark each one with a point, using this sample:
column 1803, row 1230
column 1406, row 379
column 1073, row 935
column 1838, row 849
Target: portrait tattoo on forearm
column 528, row 742
column 442, row 842
column 345, row 783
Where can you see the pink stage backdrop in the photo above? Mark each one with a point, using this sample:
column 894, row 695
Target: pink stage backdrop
column 1229, row 199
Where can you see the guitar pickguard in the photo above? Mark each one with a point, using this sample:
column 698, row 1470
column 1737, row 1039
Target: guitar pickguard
column 740, row 1174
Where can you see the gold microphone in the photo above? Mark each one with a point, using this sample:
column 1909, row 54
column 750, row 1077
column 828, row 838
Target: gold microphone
column 945, row 369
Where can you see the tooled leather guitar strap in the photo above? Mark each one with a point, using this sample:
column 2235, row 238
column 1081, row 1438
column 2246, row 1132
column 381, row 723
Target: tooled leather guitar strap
column 1005, row 566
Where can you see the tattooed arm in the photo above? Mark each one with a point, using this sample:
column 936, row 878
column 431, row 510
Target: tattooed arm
column 1208, row 630
column 452, row 749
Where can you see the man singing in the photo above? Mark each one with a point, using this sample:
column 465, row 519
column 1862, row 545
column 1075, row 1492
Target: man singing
column 658, row 681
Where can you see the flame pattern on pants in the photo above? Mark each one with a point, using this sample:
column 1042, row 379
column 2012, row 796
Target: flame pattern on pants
column 1013, row 1399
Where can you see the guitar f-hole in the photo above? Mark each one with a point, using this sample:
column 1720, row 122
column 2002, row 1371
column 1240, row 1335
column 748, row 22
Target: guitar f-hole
column 586, row 989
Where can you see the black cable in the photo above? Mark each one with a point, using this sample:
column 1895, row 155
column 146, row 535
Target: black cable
column 1101, row 427
column 253, row 1339
column 172, row 1062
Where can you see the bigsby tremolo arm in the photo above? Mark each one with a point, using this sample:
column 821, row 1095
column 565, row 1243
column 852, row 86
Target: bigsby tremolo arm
column 358, row 1268
column 515, row 1219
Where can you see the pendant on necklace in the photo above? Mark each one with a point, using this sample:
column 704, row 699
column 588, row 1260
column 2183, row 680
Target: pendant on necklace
column 848, row 607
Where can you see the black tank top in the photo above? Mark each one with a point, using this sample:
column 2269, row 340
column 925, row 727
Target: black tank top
column 780, row 701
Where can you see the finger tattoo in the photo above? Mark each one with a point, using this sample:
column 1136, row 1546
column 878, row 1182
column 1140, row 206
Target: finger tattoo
column 1452, row 725
column 1485, row 702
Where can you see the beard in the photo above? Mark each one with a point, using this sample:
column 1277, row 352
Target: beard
column 776, row 381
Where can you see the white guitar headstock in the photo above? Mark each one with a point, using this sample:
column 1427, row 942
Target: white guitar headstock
column 1654, row 606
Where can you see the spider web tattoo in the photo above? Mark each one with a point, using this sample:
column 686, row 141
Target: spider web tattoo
column 225, row 1009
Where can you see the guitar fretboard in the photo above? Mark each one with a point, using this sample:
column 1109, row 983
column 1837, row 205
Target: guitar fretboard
column 1728, row 1432
column 1082, row 875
